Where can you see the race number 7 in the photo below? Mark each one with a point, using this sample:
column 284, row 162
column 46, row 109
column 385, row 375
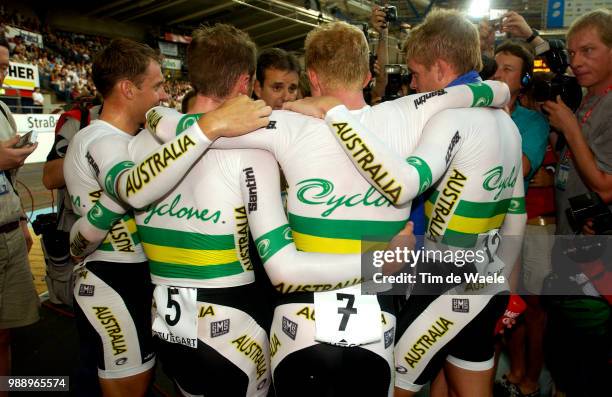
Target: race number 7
column 177, row 307
column 346, row 311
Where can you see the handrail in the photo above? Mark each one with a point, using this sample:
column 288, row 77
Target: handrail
column 16, row 106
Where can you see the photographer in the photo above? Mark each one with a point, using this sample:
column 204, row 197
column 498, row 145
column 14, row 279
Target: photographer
column 515, row 68
column 586, row 162
column 582, row 324
column 516, row 27
column 378, row 20
column 18, row 298
column 514, row 24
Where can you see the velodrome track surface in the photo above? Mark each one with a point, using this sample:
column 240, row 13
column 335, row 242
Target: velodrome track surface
column 33, row 194
column 30, row 181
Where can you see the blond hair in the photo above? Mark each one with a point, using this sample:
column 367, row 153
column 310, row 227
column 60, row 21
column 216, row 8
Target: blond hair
column 600, row 19
column 339, row 54
column 447, row 35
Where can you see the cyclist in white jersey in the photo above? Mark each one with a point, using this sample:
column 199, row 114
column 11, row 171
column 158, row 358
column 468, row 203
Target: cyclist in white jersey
column 470, row 158
column 113, row 291
column 332, row 210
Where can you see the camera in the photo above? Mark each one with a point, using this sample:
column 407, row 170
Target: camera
column 55, row 242
column 557, row 59
column 397, row 75
column 44, row 224
column 390, row 13
column 589, row 206
column 583, row 248
column 496, row 24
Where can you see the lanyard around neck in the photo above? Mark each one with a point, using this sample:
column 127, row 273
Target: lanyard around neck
column 590, row 111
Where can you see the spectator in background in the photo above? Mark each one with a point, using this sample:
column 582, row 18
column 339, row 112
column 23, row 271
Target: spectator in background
column 515, row 68
column 18, row 297
column 38, row 99
column 62, row 63
column 277, row 77
column 176, row 90
column 379, row 23
column 514, row 62
column 586, row 162
column 582, row 324
column 514, row 24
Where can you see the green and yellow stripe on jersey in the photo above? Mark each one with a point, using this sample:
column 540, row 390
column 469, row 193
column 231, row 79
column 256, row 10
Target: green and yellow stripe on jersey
column 338, row 236
column 465, row 220
column 180, row 254
column 122, row 236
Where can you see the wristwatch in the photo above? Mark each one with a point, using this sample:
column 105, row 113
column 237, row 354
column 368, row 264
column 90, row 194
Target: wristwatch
column 534, row 34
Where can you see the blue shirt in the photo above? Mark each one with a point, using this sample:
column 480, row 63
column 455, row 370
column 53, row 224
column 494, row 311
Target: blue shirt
column 534, row 130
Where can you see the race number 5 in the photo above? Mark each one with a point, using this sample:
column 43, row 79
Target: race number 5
column 173, row 304
column 176, row 317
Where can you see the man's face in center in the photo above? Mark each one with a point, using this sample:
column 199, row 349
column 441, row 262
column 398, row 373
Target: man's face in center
column 279, row 86
column 423, row 78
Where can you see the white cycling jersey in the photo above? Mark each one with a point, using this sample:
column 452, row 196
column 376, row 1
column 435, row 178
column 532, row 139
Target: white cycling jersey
column 471, row 158
column 82, row 165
